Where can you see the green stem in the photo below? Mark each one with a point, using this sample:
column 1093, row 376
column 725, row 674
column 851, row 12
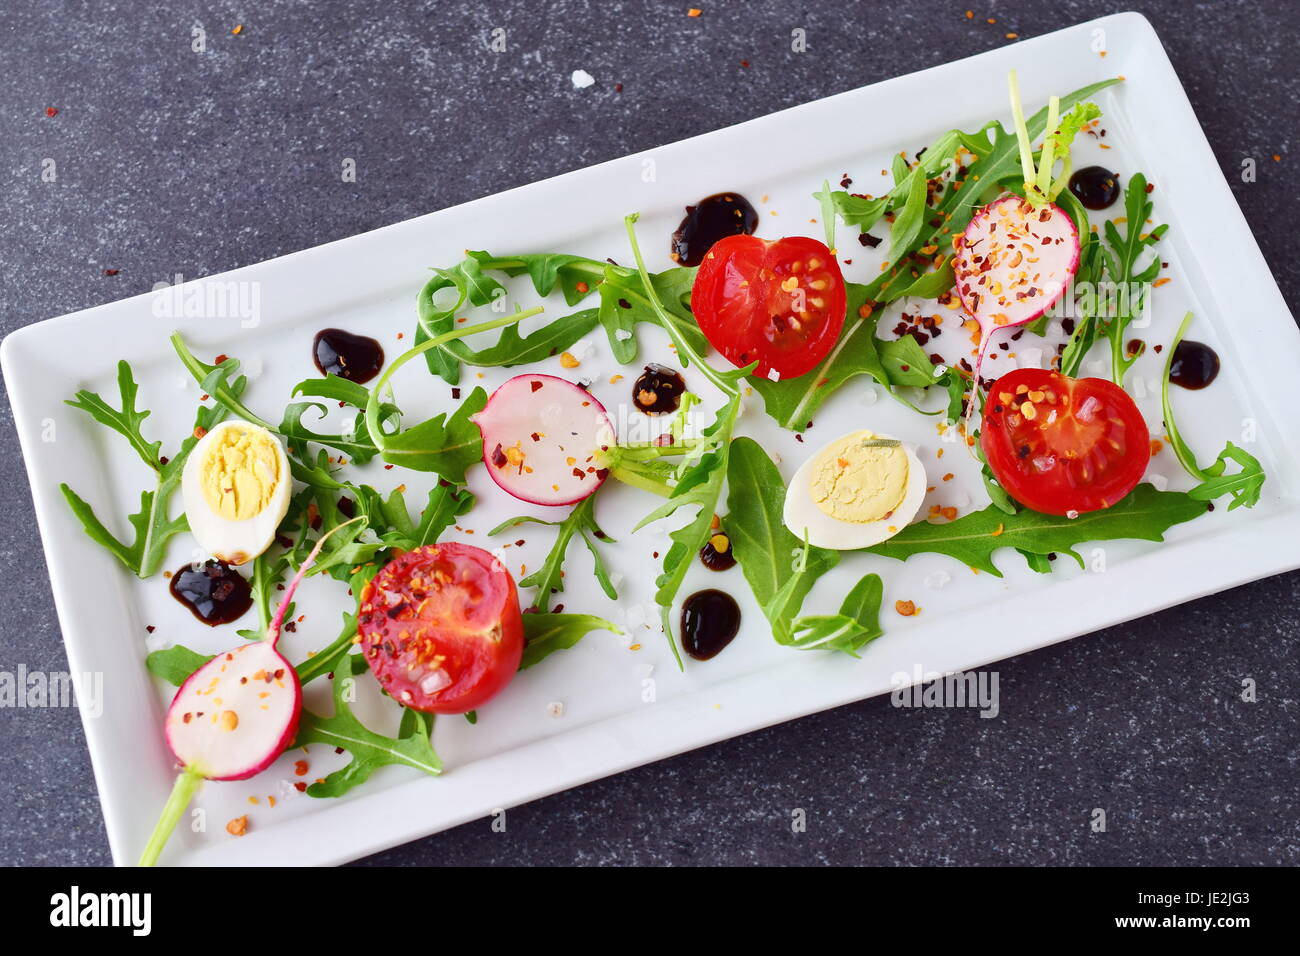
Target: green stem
column 187, row 782
column 630, row 476
column 1181, row 451
column 222, row 393
column 372, row 404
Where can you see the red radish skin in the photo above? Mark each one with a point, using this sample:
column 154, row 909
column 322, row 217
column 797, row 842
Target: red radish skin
column 233, row 716
column 236, row 714
column 545, row 440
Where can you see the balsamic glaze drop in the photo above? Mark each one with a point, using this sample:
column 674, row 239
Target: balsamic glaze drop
column 658, row 390
column 1095, row 186
column 357, row 358
column 716, row 555
column 1195, row 365
column 710, row 620
column 215, row 593
column 714, row 218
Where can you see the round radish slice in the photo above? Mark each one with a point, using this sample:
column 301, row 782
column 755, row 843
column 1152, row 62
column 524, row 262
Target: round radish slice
column 544, row 439
column 236, row 713
column 1014, row 261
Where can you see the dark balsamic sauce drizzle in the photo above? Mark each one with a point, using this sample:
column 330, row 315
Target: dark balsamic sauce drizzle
column 357, row 358
column 716, row 560
column 710, row 620
column 658, row 390
column 1095, row 186
column 1195, row 365
column 714, row 218
column 215, row 592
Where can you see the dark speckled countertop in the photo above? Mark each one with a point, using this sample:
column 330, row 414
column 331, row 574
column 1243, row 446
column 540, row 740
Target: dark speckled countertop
column 177, row 162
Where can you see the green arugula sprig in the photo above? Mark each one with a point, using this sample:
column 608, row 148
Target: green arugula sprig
column 544, row 634
column 1144, row 514
column 1121, row 260
column 152, row 525
column 411, row 747
column 1244, row 485
column 549, row 578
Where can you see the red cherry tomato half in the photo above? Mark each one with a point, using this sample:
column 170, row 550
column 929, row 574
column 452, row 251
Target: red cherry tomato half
column 441, row 628
column 778, row 303
column 1059, row 444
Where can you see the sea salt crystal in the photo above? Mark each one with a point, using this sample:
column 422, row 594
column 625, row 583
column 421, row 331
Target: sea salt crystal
column 1139, row 388
column 183, row 382
column 253, row 368
column 1055, row 330
column 937, row 580
column 870, row 396
column 774, row 375
column 582, row 79
column 635, row 616
column 1030, row 358
column 615, row 579
column 623, row 334
column 1095, row 367
column 555, row 708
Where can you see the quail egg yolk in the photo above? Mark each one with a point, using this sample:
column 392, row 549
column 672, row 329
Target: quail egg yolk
column 240, row 471
column 860, row 478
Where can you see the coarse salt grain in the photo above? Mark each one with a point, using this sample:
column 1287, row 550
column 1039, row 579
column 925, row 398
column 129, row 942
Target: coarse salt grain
column 623, row 335
column 937, row 580
column 1031, row 358
column 774, row 375
column 555, row 708
column 582, row 79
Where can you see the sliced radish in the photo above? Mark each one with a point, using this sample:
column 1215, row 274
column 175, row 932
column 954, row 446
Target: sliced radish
column 233, row 716
column 1014, row 261
column 236, row 713
column 545, row 440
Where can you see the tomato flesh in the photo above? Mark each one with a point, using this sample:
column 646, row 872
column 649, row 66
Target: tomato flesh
column 441, row 628
column 778, row 303
column 1060, row 445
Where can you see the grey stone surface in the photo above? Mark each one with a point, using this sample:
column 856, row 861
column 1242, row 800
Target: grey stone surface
column 171, row 161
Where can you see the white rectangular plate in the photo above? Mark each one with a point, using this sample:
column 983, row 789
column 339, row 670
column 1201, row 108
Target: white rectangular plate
column 517, row 751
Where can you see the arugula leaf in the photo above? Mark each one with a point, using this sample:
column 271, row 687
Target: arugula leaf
column 1245, row 485
column 446, row 445
column 215, row 381
column 576, row 275
column 909, row 222
column 769, row 554
column 126, row 421
column 327, row 659
column 411, row 747
column 176, row 664
column 856, row 624
column 549, row 578
column 624, row 304
column 855, row 210
column 1121, row 265
column 152, row 525
column 544, row 634
column 1145, row 514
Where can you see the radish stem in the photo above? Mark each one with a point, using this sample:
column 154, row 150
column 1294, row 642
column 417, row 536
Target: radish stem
column 187, row 782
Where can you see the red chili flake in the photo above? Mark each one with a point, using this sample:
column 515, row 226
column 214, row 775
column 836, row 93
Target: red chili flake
column 111, row 272
column 455, row 393
column 220, row 358
column 300, row 787
column 618, row 87
column 1151, row 187
column 149, row 628
column 51, row 111
column 535, row 385
column 745, row 64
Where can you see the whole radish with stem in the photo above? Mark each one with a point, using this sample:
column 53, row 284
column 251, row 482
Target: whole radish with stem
column 233, row 716
column 1017, row 256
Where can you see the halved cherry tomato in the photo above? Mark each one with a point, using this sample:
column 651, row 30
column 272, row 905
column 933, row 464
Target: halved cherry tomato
column 1059, row 444
column 441, row 628
column 778, row 303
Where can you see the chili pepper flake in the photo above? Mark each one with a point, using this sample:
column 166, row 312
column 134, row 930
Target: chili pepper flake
column 238, row 826
column 239, row 28
column 906, row 608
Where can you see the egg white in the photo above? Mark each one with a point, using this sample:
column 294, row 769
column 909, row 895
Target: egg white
column 235, row 542
column 804, row 518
